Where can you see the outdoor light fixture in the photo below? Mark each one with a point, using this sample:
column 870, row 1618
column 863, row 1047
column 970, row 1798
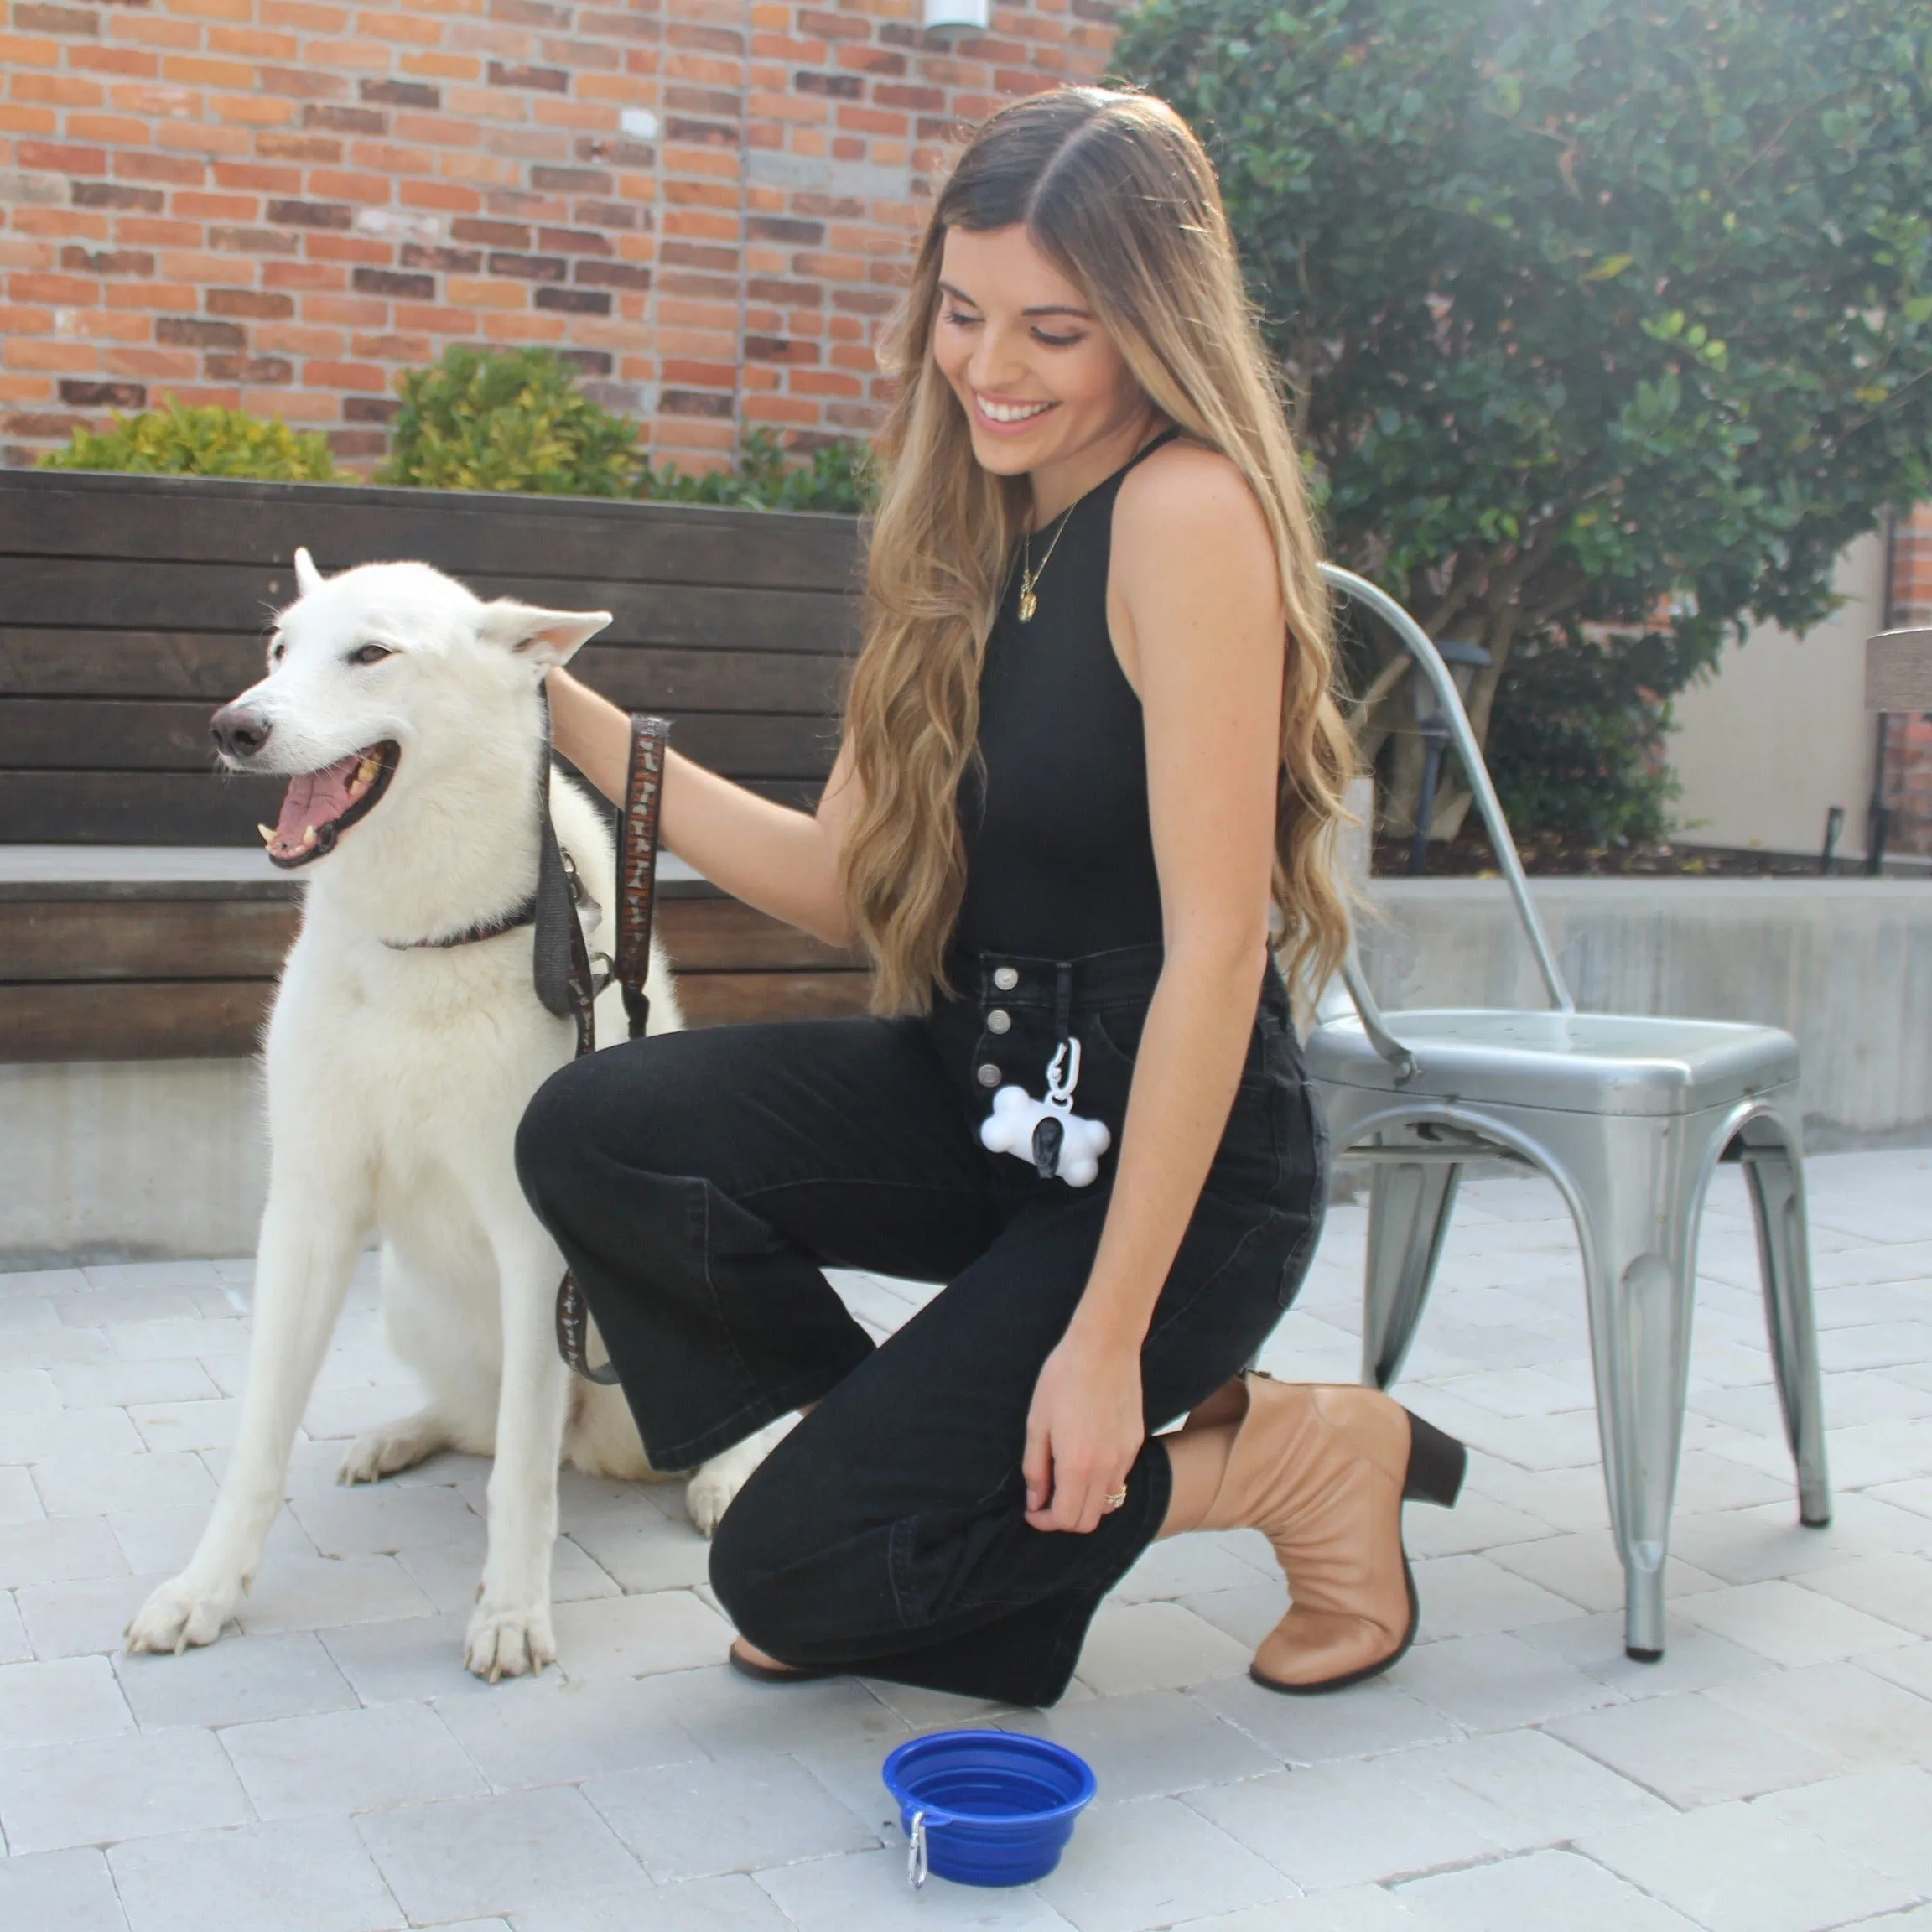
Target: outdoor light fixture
column 957, row 17
column 1464, row 662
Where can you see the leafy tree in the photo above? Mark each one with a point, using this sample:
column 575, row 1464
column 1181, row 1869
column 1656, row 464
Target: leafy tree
column 209, row 441
column 1607, row 323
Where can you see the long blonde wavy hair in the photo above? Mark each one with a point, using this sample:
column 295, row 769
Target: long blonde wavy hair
column 1115, row 190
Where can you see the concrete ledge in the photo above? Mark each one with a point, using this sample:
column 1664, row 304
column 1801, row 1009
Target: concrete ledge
column 1845, row 965
column 121, row 1161
column 130, row 1160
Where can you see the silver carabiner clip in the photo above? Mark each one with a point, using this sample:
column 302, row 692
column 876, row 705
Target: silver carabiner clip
column 1063, row 1076
column 915, row 1865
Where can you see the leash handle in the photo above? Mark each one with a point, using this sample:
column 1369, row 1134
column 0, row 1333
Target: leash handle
column 637, row 895
column 573, row 1334
column 637, row 865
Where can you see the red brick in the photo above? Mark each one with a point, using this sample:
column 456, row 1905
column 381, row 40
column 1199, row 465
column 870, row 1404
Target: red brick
column 195, row 206
column 149, row 233
column 298, row 147
column 108, row 262
column 341, row 376
column 351, row 311
column 58, row 91
column 108, row 128
column 57, row 158
column 50, row 356
column 255, row 304
column 758, row 303
column 62, row 290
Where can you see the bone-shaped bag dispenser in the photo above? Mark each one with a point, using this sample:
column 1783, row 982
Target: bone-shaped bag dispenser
column 1048, row 1133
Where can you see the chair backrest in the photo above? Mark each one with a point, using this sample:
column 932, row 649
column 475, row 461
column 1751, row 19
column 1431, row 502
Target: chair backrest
column 1429, row 664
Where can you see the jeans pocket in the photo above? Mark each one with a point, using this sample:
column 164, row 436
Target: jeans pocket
column 1114, row 1031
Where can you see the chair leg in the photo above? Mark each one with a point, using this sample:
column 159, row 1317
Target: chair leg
column 1638, row 1276
column 1409, row 1204
column 1776, row 1176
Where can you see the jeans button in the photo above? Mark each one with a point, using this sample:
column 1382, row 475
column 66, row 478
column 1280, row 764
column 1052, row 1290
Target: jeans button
column 990, row 1075
column 999, row 1020
column 1005, row 978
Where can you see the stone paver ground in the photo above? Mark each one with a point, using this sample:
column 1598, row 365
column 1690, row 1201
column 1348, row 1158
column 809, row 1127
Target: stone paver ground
column 330, row 1767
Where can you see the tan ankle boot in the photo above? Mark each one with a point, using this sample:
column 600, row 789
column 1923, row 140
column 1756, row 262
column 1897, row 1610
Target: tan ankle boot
column 1322, row 1470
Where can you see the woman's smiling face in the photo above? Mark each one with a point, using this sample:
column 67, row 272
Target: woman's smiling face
column 1043, row 384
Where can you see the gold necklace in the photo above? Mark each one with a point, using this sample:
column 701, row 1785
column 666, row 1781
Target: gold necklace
column 1029, row 577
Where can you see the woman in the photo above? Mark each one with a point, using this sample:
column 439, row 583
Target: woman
column 1089, row 742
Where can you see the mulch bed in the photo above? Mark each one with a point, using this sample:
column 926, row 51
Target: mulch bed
column 1551, row 855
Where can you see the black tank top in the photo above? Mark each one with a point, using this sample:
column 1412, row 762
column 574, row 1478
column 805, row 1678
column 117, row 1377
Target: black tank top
column 1059, row 849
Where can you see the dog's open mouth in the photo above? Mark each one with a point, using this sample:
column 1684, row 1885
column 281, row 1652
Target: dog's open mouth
column 320, row 806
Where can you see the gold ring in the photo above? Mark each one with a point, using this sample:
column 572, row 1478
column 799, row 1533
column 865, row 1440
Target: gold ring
column 1117, row 1499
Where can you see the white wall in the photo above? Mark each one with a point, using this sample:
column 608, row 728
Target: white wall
column 1843, row 965
column 1780, row 732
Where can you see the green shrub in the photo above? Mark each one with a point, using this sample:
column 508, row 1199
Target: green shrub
column 838, row 479
column 508, row 419
column 514, row 419
column 208, row 441
column 1578, row 750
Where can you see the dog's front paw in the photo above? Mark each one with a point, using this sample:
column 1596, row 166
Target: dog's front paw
column 509, row 1643
column 179, row 1615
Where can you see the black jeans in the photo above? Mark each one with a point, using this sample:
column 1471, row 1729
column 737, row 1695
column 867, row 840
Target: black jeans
column 698, row 1182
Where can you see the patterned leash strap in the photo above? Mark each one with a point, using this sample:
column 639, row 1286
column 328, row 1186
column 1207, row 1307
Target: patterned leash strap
column 637, row 898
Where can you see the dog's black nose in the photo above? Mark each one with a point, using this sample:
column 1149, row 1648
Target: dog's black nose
column 240, row 731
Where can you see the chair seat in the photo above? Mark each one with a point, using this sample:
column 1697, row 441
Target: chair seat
column 1615, row 1063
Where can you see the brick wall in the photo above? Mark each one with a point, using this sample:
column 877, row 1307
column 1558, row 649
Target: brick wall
column 1908, row 735
column 705, row 205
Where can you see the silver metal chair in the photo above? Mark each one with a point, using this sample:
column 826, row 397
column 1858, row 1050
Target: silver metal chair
column 1629, row 1116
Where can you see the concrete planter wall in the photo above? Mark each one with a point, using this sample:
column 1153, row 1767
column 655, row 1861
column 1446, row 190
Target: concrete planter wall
column 1844, row 965
column 161, row 1157
column 130, row 1160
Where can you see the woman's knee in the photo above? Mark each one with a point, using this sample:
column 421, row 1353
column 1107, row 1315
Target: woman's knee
column 615, row 1112
column 760, row 1551
column 551, row 1139
column 746, row 1561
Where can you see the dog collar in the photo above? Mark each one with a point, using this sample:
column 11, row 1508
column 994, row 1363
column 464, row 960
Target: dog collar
column 523, row 915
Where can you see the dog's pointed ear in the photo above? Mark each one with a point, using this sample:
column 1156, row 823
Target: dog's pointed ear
column 543, row 637
column 308, row 578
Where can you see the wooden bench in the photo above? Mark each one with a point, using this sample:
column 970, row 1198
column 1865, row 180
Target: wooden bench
column 137, row 917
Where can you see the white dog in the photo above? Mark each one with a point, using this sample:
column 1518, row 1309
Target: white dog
column 406, row 717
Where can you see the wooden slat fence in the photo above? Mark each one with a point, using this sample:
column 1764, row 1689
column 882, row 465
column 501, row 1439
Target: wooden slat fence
column 131, row 606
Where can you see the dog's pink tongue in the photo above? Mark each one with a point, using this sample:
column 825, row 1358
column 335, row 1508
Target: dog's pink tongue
column 314, row 799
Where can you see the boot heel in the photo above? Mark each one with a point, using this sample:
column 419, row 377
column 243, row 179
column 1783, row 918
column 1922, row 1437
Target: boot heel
column 1436, row 1463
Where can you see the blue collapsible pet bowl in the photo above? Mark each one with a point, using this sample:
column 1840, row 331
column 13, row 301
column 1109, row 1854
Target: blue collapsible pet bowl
column 987, row 1807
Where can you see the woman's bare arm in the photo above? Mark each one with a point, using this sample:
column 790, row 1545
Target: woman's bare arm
column 1202, row 641
column 782, row 861
column 1197, row 612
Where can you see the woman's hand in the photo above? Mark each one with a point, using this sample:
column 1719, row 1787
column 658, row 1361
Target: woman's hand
column 783, row 862
column 1082, row 1432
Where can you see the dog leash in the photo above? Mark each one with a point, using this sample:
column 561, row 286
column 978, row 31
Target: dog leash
column 630, row 964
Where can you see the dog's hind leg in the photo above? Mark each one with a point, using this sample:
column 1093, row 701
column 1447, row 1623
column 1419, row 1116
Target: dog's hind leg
column 309, row 1241
column 510, row 1629
column 393, row 1446
column 439, row 1315
column 714, row 1484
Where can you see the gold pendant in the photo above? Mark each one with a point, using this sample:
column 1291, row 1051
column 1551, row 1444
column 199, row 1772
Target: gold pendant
column 1028, row 602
